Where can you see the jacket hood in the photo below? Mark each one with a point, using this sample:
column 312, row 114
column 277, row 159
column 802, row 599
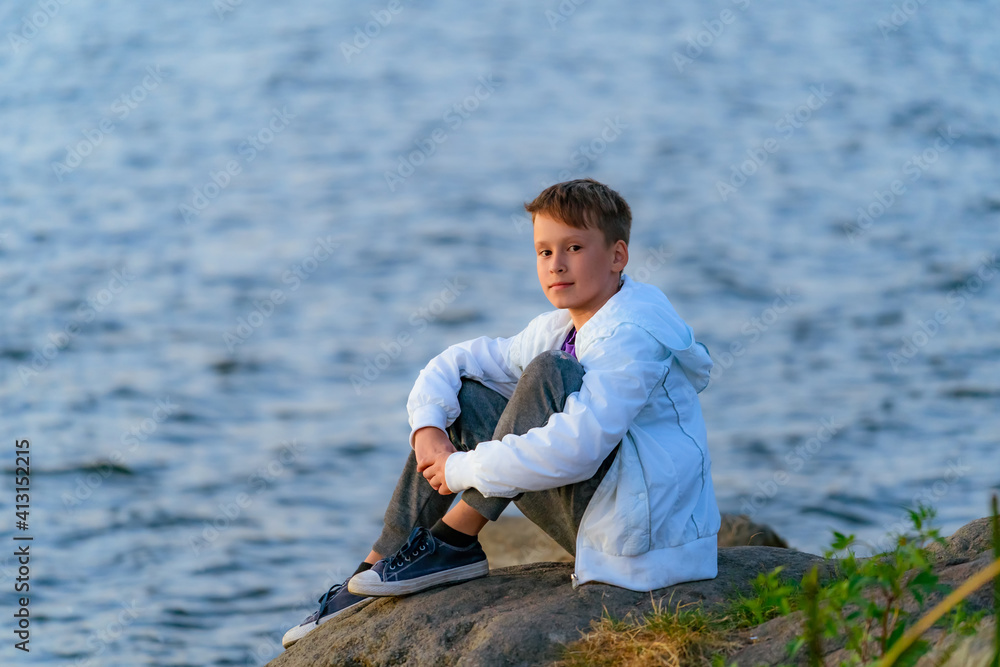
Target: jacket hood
column 647, row 306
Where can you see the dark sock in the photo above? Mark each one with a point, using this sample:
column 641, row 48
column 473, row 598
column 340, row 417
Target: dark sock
column 449, row 535
column 362, row 568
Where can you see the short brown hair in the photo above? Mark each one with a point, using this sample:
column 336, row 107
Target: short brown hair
column 585, row 203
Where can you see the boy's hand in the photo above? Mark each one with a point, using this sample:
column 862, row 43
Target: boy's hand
column 432, row 447
column 435, row 475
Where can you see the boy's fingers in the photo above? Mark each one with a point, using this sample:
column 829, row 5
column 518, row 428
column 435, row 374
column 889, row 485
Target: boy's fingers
column 427, row 463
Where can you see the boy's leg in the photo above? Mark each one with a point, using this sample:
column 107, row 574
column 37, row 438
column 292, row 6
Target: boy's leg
column 551, row 377
column 558, row 511
column 414, row 502
column 486, row 415
column 541, row 392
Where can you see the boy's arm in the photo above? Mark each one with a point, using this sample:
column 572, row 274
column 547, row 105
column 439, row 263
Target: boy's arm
column 622, row 372
column 433, row 401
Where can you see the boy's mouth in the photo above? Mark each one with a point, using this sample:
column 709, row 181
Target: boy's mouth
column 559, row 285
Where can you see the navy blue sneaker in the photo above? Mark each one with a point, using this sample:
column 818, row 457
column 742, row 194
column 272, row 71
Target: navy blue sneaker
column 424, row 561
column 335, row 601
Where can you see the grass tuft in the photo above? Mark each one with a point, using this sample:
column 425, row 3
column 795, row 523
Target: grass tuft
column 681, row 637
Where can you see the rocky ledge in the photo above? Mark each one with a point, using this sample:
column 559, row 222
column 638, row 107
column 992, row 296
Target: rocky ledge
column 521, row 614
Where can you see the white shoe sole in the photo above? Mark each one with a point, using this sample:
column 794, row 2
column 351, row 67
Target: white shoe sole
column 300, row 631
column 369, row 583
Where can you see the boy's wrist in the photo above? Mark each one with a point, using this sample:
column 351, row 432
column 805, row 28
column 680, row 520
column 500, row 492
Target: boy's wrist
column 427, row 415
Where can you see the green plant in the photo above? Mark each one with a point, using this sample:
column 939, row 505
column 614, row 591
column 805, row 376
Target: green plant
column 962, row 623
column 813, row 630
column 866, row 602
column 772, row 596
column 875, row 605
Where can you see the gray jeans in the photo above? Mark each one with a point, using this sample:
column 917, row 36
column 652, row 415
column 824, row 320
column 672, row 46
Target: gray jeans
column 487, row 415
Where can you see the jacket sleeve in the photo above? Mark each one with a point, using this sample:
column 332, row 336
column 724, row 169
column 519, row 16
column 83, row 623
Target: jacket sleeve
column 433, row 401
column 622, row 370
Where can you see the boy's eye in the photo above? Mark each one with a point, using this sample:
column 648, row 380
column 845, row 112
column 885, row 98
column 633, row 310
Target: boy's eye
column 576, row 247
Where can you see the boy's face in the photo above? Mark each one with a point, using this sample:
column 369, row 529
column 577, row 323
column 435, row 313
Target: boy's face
column 576, row 268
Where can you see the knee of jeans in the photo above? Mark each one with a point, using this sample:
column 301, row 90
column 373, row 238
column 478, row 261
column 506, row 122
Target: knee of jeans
column 555, row 363
column 465, row 391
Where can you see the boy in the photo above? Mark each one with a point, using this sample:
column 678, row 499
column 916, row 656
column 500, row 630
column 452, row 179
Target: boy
column 588, row 420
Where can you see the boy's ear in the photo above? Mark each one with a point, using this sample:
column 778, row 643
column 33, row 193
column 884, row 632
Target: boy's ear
column 621, row 255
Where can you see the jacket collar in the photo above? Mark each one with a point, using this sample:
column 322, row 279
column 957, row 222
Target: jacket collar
column 648, row 307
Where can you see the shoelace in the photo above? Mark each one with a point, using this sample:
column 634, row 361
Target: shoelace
column 413, row 547
column 326, row 598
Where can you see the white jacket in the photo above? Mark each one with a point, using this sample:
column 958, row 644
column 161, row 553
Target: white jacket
column 653, row 520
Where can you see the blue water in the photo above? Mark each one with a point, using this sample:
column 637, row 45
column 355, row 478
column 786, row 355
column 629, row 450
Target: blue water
column 203, row 465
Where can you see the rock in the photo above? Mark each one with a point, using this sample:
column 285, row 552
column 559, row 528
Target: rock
column 515, row 540
column 523, row 614
column 517, row 615
column 739, row 531
column 967, row 542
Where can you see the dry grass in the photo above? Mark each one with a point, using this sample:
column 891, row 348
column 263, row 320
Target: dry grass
column 683, row 637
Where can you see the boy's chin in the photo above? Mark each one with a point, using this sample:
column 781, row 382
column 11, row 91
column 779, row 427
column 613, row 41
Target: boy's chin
column 560, row 302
